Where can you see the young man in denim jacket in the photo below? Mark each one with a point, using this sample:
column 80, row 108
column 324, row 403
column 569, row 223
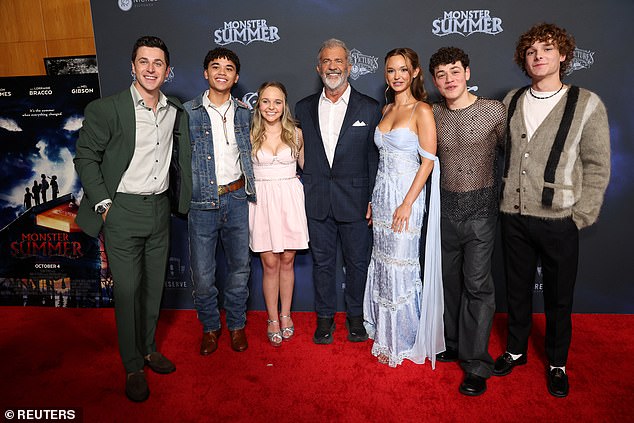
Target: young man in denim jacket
column 222, row 185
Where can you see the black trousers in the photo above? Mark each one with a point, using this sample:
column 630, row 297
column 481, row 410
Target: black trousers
column 469, row 291
column 556, row 243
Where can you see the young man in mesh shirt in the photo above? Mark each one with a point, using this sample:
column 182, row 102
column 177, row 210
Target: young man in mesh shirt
column 470, row 130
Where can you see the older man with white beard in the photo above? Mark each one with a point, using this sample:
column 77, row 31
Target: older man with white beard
column 340, row 167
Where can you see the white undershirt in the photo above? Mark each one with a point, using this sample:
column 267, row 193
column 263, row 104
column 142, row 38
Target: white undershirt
column 226, row 152
column 537, row 109
column 330, row 120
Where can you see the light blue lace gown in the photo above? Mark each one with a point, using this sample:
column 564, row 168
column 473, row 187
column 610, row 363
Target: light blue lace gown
column 403, row 314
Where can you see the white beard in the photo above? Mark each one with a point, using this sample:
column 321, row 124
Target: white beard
column 333, row 84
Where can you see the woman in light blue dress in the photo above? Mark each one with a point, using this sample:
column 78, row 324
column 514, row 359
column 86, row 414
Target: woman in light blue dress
column 403, row 314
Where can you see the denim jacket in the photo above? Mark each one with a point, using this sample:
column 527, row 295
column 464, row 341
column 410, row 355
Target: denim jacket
column 205, row 187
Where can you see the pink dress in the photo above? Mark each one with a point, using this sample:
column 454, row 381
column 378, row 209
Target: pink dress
column 277, row 222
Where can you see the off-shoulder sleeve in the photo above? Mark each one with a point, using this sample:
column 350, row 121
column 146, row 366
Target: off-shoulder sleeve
column 430, row 338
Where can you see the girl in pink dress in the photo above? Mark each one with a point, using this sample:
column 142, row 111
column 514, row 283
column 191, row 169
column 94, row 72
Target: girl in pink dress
column 277, row 222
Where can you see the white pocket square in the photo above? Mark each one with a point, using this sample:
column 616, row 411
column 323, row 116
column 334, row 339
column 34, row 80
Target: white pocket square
column 359, row 123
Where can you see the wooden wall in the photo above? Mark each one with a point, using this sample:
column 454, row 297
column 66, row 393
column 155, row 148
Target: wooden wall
column 31, row 30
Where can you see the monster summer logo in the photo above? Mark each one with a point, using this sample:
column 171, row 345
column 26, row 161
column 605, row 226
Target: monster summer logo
column 46, row 244
column 466, row 22
column 362, row 64
column 245, row 32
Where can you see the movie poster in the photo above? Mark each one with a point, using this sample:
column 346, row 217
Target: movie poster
column 46, row 259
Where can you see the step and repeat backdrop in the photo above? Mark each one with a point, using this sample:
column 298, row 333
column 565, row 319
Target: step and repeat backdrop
column 279, row 41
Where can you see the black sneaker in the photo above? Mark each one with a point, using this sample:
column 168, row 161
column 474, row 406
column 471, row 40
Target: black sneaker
column 356, row 330
column 324, row 331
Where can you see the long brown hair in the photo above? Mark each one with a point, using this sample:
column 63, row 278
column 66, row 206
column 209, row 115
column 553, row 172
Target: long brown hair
column 418, row 83
column 288, row 123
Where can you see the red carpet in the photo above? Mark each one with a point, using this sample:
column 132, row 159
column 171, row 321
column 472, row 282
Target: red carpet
column 67, row 358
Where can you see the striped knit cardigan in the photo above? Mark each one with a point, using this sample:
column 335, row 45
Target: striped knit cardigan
column 565, row 168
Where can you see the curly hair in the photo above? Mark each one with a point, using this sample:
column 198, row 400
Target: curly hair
column 289, row 124
column 545, row 32
column 222, row 53
column 418, row 83
column 446, row 56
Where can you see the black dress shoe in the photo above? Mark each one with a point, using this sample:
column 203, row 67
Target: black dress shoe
column 136, row 388
column 159, row 363
column 473, row 385
column 558, row 383
column 356, row 330
column 324, row 331
column 447, row 356
column 505, row 363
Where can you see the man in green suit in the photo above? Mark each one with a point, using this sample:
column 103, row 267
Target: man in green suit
column 134, row 161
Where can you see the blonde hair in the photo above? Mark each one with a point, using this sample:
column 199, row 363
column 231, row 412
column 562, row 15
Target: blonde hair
column 289, row 125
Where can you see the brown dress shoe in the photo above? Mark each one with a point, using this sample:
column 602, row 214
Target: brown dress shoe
column 159, row 363
column 209, row 343
column 136, row 388
column 238, row 340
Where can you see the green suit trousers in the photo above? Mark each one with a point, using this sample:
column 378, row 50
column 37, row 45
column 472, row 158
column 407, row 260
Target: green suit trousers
column 136, row 233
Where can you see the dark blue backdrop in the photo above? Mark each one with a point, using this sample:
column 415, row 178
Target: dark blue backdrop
column 279, row 41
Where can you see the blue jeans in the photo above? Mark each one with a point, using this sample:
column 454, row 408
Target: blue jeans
column 230, row 224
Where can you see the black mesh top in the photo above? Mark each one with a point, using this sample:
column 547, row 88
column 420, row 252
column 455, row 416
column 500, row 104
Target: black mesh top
column 468, row 142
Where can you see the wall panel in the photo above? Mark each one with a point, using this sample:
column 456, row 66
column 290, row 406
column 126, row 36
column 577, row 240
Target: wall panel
column 22, row 58
column 66, row 19
column 34, row 29
column 21, row 21
column 71, row 47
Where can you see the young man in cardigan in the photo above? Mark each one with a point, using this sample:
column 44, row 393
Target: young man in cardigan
column 557, row 168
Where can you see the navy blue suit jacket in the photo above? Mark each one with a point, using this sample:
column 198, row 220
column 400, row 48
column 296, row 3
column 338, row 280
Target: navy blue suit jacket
column 346, row 188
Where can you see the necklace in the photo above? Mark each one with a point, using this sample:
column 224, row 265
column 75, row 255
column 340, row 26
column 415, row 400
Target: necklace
column 530, row 90
column 223, row 116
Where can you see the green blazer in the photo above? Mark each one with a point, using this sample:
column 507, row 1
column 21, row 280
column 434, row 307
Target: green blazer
column 104, row 151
